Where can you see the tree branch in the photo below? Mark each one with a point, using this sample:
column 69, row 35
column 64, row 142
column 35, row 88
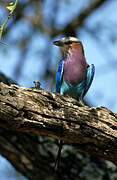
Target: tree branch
column 93, row 130
column 79, row 19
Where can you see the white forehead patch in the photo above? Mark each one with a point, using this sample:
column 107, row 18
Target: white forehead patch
column 67, row 39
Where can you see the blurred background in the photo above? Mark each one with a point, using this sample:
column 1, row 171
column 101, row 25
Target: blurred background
column 31, row 56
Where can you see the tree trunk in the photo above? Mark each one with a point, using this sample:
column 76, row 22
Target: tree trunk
column 93, row 130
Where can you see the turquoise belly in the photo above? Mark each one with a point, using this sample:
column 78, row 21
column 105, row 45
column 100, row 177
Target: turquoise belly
column 75, row 91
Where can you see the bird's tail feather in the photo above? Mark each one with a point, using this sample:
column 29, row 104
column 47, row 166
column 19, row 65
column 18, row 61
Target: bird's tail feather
column 57, row 162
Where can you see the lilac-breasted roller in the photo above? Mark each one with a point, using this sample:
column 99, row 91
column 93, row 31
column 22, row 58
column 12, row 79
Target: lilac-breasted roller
column 74, row 76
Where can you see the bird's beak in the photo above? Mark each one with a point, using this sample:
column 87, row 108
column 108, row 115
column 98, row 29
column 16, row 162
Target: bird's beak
column 58, row 43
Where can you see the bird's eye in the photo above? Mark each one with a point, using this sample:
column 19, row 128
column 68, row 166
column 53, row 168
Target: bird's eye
column 68, row 42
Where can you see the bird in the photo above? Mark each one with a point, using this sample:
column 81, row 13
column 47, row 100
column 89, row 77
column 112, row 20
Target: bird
column 74, row 75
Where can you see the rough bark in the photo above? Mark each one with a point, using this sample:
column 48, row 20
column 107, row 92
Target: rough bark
column 93, row 130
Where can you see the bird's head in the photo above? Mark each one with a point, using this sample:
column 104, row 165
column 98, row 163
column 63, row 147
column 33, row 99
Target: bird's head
column 66, row 43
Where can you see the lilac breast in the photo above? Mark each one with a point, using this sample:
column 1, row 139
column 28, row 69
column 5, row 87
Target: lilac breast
column 75, row 68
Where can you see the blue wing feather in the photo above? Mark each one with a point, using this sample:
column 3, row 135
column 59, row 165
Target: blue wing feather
column 59, row 76
column 90, row 76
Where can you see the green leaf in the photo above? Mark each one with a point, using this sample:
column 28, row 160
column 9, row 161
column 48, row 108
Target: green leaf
column 11, row 7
